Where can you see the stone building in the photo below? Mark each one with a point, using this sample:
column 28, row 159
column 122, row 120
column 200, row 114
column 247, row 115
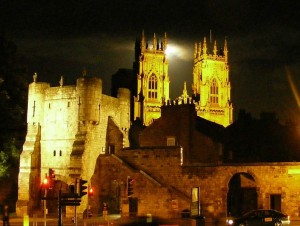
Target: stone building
column 211, row 83
column 67, row 131
column 183, row 152
column 167, row 147
column 152, row 75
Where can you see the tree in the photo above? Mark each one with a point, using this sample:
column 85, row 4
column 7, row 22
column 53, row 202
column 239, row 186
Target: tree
column 13, row 97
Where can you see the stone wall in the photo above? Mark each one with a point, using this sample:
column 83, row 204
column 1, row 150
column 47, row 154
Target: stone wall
column 73, row 123
column 163, row 186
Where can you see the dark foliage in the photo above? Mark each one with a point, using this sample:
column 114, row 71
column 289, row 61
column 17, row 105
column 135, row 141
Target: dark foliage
column 13, row 99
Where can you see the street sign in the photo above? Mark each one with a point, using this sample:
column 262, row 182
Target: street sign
column 70, row 199
column 70, row 203
column 195, row 202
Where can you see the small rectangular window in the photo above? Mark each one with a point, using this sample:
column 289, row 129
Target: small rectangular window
column 171, row 141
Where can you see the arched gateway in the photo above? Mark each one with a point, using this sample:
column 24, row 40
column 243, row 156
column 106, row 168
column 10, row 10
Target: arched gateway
column 242, row 194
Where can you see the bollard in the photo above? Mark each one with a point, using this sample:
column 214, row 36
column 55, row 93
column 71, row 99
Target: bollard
column 25, row 220
column 105, row 213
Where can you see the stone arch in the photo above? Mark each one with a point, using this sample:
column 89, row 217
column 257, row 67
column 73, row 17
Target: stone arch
column 237, row 171
column 242, row 193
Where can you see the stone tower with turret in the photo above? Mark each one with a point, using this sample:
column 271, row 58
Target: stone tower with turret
column 211, row 86
column 68, row 127
column 151, row 67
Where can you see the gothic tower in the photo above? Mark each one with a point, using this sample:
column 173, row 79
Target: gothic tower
column 151, row 67
column 211, row 86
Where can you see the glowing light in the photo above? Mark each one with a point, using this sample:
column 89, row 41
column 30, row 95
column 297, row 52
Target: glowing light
column 293, row 87
column 177, row 51
column 293, row 171
column 45, row 181
column 172, row 50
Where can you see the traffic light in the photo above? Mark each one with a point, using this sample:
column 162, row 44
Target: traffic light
column 91, row 191
column 51, row 173
column 45, row 183
column 130, row 183
column 82, row 187
column 71, row 189
column 51, row 178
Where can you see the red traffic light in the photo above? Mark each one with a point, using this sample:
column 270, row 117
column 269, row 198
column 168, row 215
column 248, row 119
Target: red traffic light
column 45, row 181
column 91, row 191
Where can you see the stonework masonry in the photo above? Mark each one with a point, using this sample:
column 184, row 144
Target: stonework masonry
column 66, row 132
column 163, row 186
column 79, row 132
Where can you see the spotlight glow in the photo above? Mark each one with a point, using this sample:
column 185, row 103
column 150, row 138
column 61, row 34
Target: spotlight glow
column 177, row 51
column 172, row 50
column 293, row 87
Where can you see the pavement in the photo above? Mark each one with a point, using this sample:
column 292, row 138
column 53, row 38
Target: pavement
column 117, row 220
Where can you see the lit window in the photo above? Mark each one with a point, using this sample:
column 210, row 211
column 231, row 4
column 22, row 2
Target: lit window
column 214, row 92
column 152, row 87
column 171, row 141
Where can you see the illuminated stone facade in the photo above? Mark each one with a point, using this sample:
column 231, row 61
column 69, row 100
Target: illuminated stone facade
column 211, row 84
column 163, row 186
column 68, row 128
column 181, row 152
column 152, row 79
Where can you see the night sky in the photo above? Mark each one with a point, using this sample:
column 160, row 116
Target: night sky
column 63, row 37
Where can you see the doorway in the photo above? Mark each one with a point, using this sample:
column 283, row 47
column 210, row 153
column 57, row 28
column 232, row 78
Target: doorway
column 133, row 207
column 275, row 202
column 242, row 194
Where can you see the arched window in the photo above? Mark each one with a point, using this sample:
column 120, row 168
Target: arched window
column 214, row 92
column 54, row 153
column 152, row 87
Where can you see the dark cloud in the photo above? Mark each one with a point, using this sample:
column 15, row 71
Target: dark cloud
column 62, row 37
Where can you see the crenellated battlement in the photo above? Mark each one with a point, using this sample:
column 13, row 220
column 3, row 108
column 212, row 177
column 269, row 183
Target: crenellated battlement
column 201, row 52
column 157, row 46
column 176, row 102
column 67, row 130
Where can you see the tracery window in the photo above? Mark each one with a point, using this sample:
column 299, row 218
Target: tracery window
column 152, row 87
column 214, row 92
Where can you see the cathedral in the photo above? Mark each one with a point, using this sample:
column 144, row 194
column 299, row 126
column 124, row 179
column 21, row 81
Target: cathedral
column 167, row 147
column 211, row 89
column 70, row 124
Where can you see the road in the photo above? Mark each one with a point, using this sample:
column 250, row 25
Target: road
column 112, row 221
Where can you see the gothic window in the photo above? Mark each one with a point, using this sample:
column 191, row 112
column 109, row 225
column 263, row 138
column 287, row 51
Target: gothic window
column 214, row 92
column 152, row 87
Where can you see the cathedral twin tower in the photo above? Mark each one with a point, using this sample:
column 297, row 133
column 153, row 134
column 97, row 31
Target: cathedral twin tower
column 69, row 126
column 211, row 86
